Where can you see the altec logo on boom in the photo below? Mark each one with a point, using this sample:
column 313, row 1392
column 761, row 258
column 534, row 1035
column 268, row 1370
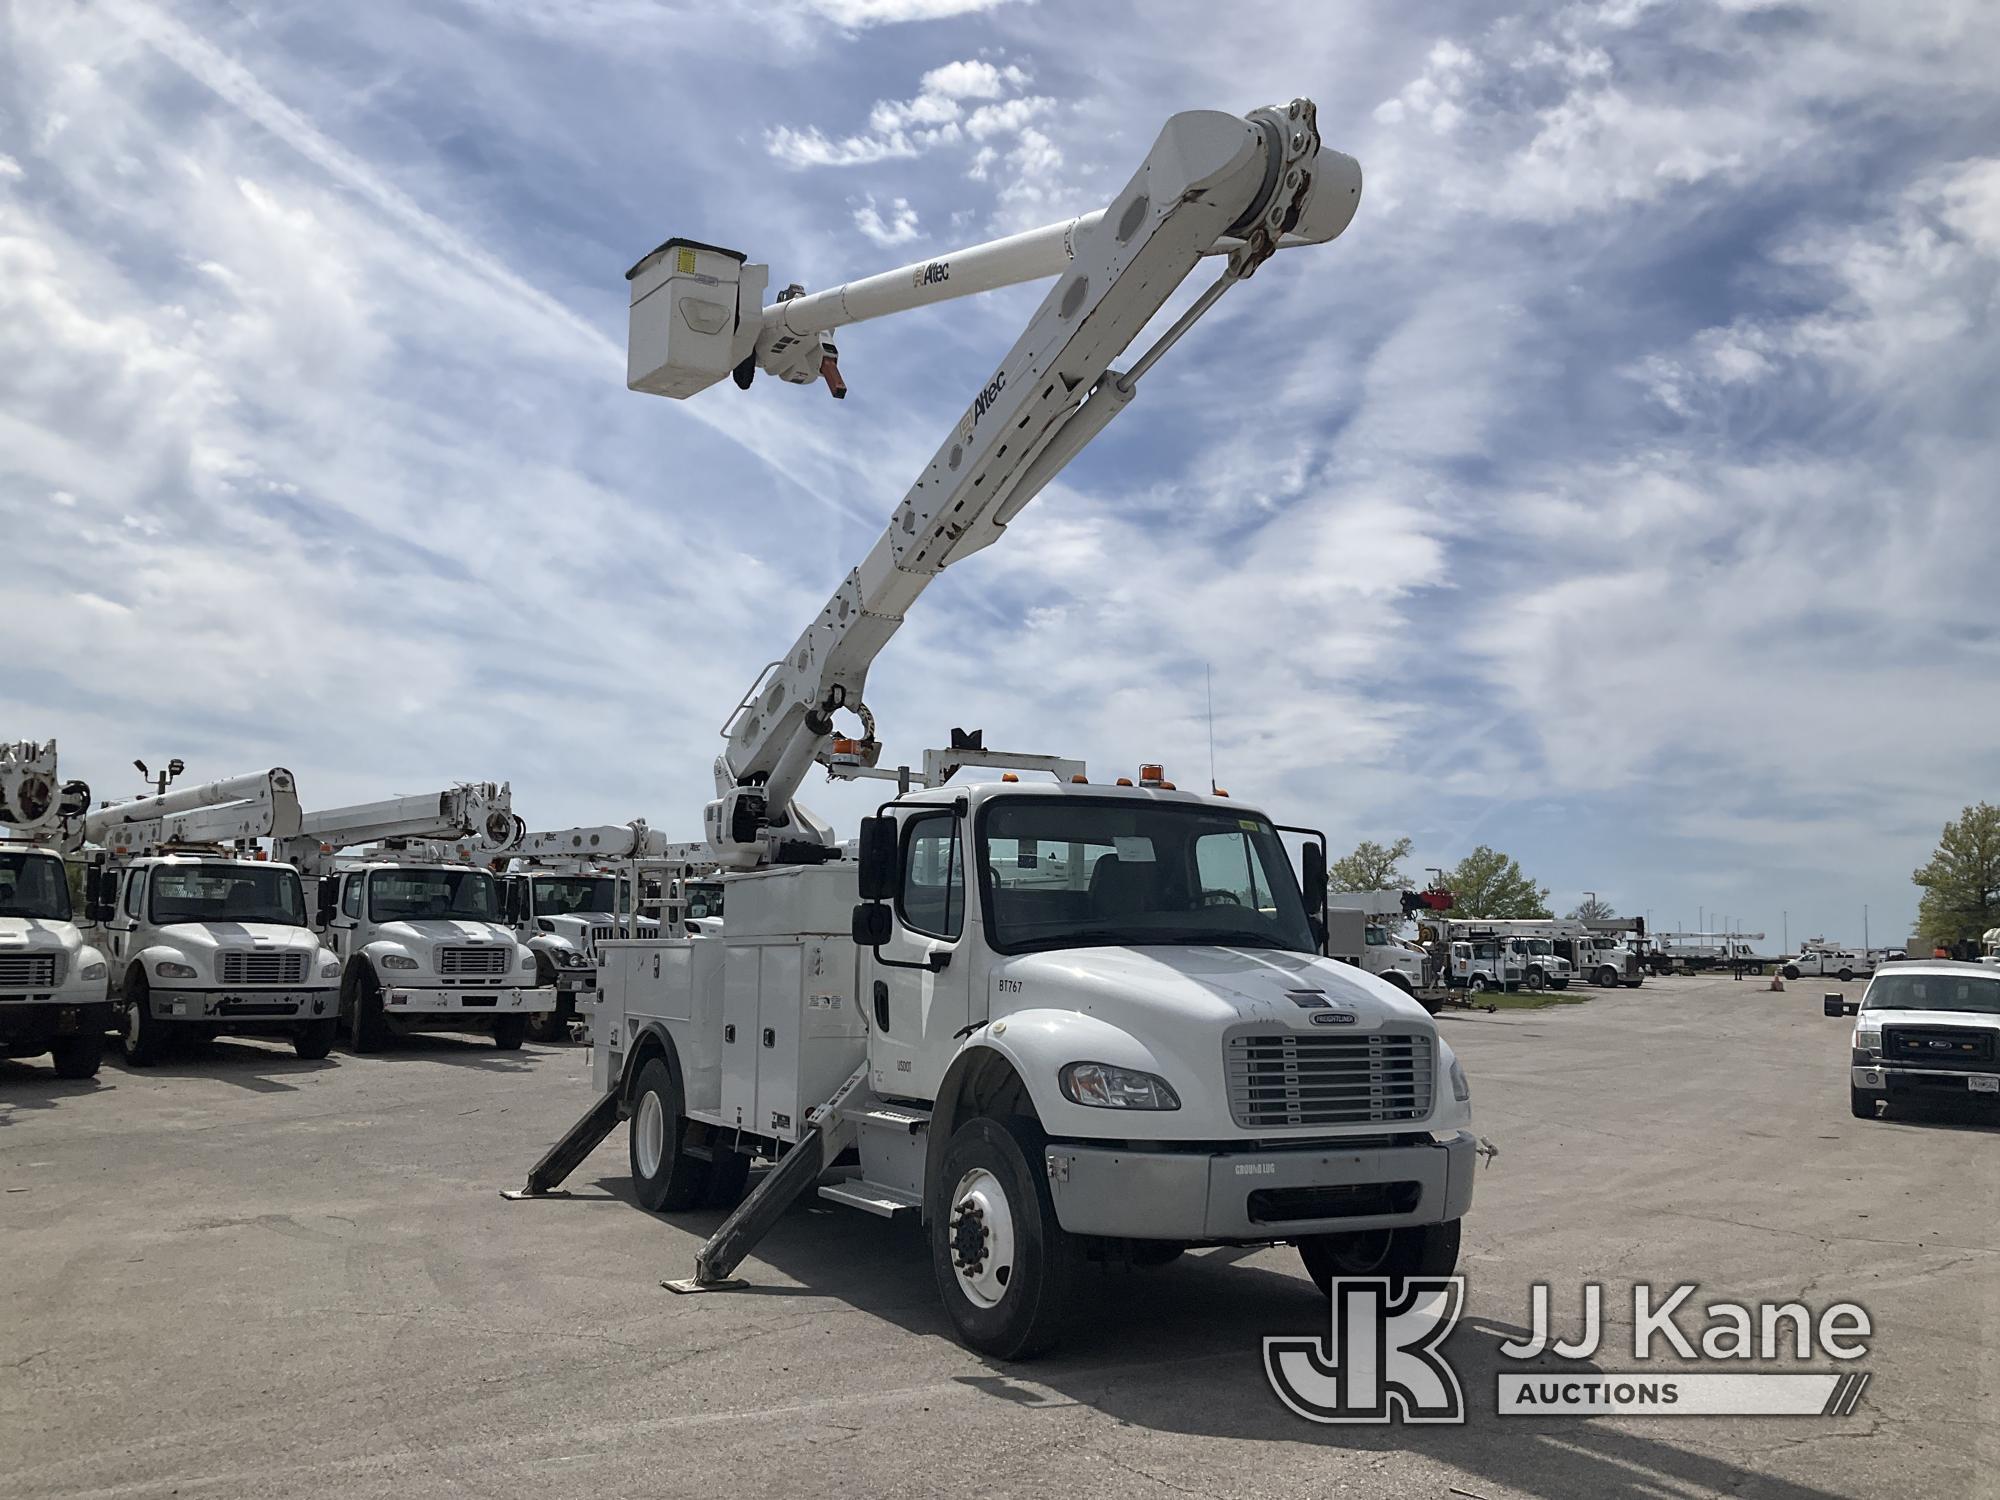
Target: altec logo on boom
column 1382, row 1359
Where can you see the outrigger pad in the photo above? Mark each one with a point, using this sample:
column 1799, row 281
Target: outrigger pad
column 515, row 1195
column 688, row 1286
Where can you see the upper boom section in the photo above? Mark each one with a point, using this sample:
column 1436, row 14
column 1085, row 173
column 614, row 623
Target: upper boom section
column 34, row 802
column 264, row 804
column 480, row 811
column 1212, row 184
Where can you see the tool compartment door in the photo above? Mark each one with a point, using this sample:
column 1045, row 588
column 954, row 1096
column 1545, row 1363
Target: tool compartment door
column 741, row 970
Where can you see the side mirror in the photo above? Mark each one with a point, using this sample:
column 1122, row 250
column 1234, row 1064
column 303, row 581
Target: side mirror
column 99, row 888
column 878, row 855
column 1312, row 861
column 873, row 924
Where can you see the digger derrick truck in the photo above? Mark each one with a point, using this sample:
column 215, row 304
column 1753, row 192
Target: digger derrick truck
column 54, row 994
column 415, row 921
column 1059, row 1020
column 206, row 935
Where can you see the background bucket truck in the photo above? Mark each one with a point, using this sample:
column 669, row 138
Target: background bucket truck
column 1060, row 1021
column 54, row 986
column 418, row 932
column 207, row 936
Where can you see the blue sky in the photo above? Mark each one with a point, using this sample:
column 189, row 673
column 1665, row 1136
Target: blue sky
column 1617, row 491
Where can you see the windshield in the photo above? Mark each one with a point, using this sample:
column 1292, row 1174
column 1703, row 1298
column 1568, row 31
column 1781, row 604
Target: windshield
column 227, row 893
column 567, row 895
column 704, row 901
column 1376, row 937
column 1977, row 994
column 425, row 895
column 1066, row 872
column 33, row 885
column 1541, row 946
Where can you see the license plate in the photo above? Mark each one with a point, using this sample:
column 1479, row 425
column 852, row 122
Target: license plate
column 1986, row 1085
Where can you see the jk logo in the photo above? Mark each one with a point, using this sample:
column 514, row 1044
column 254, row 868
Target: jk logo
column 1380, row 1359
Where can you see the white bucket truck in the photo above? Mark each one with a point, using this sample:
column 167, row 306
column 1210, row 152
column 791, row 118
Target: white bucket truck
column 416, row 923
column 1360, row 930
column 1059, row 1021
column 206, row 935
column 1819, row 959
column 54, row 994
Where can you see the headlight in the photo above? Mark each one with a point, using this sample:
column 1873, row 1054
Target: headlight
column 330, row 969
column 1461, row 1090
column 543, row 924
column 93, row 971
column 1102, row 1086
column 168, row 969
column 397, row 961
column 1869, row 1038
column 527, row 960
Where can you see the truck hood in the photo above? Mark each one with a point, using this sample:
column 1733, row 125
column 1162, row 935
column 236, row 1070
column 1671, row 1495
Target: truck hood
column 1977, row 1020
column 269, row 937
column 38, row 935
column 1218, row 987
column 443, row 930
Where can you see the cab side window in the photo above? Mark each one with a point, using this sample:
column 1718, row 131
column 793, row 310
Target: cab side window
column 350, row 896
column 135, row 894
column 932, row 900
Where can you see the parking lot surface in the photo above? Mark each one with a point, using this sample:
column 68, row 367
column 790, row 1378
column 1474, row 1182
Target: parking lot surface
column 239, row 1274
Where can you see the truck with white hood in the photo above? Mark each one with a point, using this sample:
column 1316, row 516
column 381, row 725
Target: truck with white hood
column 207, row 935
column 415, row 917
column 1060, row 1020
column 54, row 984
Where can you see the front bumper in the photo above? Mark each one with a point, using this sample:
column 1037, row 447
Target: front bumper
column 36, row 1023
column 222, row 1006
column 1980, row 1083
column 1132, row 1192
column 443, row 1001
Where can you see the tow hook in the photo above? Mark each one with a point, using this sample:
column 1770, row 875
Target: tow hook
column 969, row 1237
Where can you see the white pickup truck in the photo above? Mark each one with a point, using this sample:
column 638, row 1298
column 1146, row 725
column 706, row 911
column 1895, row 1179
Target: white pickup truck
column 1928, row 1029
column 1827, row 962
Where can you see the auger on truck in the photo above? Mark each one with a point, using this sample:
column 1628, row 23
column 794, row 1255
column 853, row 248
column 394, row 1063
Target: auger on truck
column 414, row 920
column 206, row 936
column 1059, row 1020
column 54, row 985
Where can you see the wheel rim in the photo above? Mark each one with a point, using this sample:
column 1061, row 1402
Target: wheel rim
column 132, row 1022
column 1362, row 1253
column 650, row 1133
column 981, row 1238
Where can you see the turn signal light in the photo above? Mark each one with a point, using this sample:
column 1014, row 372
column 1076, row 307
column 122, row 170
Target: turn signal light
column 1008, row 776
column 1124, row 781
column 1079, row 781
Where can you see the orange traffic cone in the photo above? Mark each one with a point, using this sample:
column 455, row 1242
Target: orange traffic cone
column 1778, row 983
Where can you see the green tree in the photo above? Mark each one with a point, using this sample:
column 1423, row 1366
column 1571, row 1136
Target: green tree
column 1371, row 867
column 1486, row 883
column 1592, row 909
column 1961, row 880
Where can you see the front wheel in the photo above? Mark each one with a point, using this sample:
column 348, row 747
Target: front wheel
column 1607, row 978
column 1537, row 980
column 1861, row 1102
column 508, row 1032
column 1005, row 1266
column 1419, row 1250
column 143, row 1035
column 1847, row 976
column 314, row 1039
column 371, row 1028
column 550, row 1025
column 664, row 1176
column 1791, row 971
column 78, row 1056
column 1478, row 984
column 1400, row 980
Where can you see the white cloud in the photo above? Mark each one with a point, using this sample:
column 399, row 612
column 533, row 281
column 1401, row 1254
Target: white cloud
column 1007, row 118
column 899, row 228
column 8, row 166
column 973, row 79
column 865, row 13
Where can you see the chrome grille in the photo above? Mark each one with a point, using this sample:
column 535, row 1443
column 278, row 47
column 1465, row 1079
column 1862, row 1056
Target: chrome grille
column 31, row 971
column 491, row 959
column 262, row 968
column 1289, row 1078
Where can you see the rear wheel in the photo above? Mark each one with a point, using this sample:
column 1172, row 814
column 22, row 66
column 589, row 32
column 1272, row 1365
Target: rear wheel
column 143, row 1035
column 1005, row 1267
column 664, row 1177
column 508, row 1032
column 1419, row 1250
column 78, row 1056
column 1847, row 976
column 314, row 1039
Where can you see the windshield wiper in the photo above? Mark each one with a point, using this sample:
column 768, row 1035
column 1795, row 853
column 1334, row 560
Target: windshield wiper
column 1081, row 937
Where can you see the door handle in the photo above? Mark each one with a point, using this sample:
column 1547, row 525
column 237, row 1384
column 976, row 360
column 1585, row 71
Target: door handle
column 729, row 1032
column 770, row 1036
column 881, row 1005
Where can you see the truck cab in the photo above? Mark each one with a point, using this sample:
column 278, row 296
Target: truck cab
column 562, row 915
column 203, row 943
column 1928, row 1029
column 1546, row 969
column 1067, row 1022
column 1479, row 964
column 422, row 948
column 54, row 994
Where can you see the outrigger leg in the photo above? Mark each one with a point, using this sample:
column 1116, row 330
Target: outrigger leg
column 567, row 1154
